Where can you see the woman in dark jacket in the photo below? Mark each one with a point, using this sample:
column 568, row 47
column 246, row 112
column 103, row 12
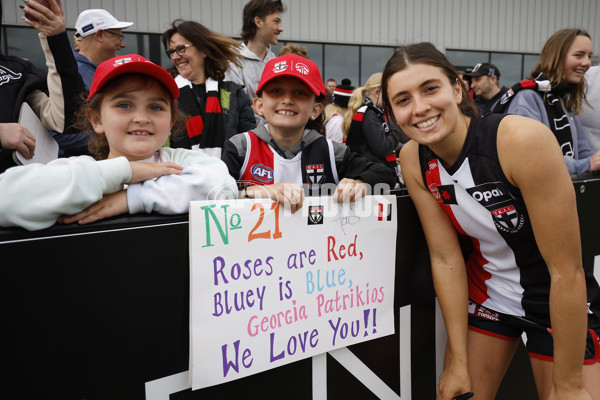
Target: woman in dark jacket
column 216, row 109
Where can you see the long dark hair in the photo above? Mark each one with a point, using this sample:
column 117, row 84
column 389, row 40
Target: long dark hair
column 220, row 50
column 424, row 53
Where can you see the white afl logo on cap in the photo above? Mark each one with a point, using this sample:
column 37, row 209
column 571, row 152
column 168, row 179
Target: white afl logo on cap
column 302, row 68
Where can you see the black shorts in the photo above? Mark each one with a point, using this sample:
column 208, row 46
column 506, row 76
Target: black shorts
column 539, row 338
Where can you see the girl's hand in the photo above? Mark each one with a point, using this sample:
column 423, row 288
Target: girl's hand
column 49, row 21
column 286, row 193
column 143, row 171
column 349, row 190
column 109, row 206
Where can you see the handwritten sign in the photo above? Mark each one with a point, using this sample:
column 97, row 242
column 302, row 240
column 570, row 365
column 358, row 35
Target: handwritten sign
column 269, row 287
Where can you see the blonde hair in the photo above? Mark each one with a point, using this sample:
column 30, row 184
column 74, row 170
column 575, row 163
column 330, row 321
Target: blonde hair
column 330, row 110
column 358, row 97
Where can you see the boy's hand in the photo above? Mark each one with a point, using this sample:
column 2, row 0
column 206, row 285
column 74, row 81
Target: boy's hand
column 349, row 190
column 286, row 193
column 142, row 171
column 109, row 206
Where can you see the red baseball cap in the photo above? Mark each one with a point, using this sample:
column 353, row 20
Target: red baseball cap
column 131, row 64
column 295, row 66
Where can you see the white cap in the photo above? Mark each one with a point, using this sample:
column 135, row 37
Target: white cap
column 91, row 21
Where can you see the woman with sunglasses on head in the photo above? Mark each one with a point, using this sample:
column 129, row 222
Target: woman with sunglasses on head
column 216, row 109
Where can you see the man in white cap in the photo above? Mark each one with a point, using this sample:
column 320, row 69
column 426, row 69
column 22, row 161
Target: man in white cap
column 99, row 37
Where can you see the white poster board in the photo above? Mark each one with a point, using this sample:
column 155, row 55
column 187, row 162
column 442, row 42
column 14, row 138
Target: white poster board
column 269, row 287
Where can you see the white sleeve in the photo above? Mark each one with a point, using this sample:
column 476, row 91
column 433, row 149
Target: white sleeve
column 333, row 130
column 34, row 196
column 203, row 178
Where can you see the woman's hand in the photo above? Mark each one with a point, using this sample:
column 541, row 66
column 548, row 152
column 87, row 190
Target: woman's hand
column 49, row 21
column 455, row 380
column 109, row 206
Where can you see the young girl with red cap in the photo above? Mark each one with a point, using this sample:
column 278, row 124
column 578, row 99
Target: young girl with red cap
column 129, row 114
column 290, row 153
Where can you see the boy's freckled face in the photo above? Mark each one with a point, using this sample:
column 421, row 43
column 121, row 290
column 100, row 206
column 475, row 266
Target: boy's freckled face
column 135, row 117
column 288, row 104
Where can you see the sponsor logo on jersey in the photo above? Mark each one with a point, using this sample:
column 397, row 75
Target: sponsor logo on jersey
column 315, row 173
column 500, row 203
column 6, row 75
column 447, row 194
column 490, row 194
column 483, row 312
column 262, row 173
column 315, row 215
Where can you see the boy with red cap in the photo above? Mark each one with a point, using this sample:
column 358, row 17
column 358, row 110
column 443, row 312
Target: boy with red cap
column 290, row 154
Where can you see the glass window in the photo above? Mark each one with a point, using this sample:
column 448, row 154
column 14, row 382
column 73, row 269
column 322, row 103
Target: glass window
column 341, row 62
column 315, row 53
column 529, row 62
column 464, row 59
column 24, row 43
column 372, row 60
column 510, row 66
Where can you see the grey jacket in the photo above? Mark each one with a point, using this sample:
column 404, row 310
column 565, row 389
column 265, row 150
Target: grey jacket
column 252, row 68
column 529, row 103
column 590, row 116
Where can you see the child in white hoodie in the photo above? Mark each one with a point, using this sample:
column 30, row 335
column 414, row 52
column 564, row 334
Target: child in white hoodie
column 131, row 109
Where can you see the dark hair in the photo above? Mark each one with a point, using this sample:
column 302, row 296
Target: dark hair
column 220, row 50
column 424, row 53
column 260, row 9
column 97, row 143
column 551, row 64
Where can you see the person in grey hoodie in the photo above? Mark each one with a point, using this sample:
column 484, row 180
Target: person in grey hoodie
column 260, row 30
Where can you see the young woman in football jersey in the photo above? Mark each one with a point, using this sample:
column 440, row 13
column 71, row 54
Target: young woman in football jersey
column 290, row 154
column 502, row 181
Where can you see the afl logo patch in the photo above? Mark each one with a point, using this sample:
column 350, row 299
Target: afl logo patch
column 262, row 173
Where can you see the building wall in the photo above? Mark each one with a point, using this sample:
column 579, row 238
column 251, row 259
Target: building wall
column 520, row 26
